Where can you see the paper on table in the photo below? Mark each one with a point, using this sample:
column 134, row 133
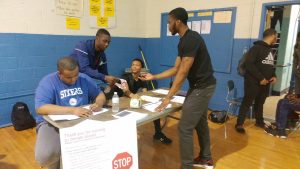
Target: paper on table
column 151, row 106
column 161, row 91
column 122, row 84
column 178, row 99
column 130, row 114
column 150, row 99
column 73, row 117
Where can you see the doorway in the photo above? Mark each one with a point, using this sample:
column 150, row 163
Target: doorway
column 284, row 18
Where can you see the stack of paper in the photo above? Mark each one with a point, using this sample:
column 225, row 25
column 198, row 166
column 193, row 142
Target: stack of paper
column 150, row 99
column 161, row 91
column 178, row 99
column 151, row 106
column 73, row 117
column 130, row 115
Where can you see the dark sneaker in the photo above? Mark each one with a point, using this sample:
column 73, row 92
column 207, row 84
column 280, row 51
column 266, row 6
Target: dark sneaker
column 260, row 125
column 240, row 129
column 207, row 164
column 162, row 138
column 282, row 134
column 271, row 130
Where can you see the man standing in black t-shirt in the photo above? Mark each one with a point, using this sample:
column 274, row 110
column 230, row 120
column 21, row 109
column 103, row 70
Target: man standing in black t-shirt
column 193, row 62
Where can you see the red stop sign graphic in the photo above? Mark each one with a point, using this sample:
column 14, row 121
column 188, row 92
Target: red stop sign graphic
column 122, row 161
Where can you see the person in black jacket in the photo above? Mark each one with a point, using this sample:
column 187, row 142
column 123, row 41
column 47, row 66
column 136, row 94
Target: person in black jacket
column 135, row 85
column 260, row 73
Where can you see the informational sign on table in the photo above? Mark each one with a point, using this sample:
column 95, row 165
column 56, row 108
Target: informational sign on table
column 100, row 145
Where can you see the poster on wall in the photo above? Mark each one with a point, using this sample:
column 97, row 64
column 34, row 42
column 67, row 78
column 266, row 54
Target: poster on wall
column 72, row 23
column 95, row 144
column 102, row 13
column 72, row 8
column 196, row 26
column 222, row 17
column 205, row 26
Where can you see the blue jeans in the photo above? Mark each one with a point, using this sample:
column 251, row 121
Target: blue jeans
column 284, row 107
column 194, row 116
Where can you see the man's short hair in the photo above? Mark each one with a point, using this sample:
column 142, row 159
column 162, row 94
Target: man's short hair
column 66, row 63
column 180, row 14
column 139, row 60
column 269, row 32
column 102, row 31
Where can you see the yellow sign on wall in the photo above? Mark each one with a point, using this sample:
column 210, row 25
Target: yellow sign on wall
column 191, row 14
column 95, row 10
column 209, row 13
column 109, row 8
column 109, row 11
column 95, row 2
column 95, row 7
column 102, row 13
column 102, row 22
column 73, row 23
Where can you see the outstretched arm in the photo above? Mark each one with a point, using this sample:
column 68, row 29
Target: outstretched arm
column 182, row 73
column 168, row 73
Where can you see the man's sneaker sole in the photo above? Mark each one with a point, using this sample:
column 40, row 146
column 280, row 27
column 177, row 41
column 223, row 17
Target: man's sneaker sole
column 269, row 133
column 282, row 137
column 203, row 166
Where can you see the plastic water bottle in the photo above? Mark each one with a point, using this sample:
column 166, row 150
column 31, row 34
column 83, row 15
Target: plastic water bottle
column 115, row 102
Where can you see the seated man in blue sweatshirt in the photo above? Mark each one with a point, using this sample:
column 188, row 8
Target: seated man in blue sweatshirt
column 285, row 106
column 91, row 57
column 62, row 92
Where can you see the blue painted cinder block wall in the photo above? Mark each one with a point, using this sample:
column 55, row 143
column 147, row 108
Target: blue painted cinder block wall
column 26, row 58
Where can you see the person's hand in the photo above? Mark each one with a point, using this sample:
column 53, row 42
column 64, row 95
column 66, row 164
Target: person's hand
column 81, row 112
column 295, row 100
column 125, row 89
column 291, row 96
column 163, row 105
column 147, row 76
column 95, row 107
column 264, row 82
column 111, row 80
column 273, row 80
column 125, row 86
column 107, row 89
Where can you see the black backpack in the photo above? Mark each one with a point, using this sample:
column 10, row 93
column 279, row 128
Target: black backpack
column 21, row 117
column 218, row 116
column 241, row 68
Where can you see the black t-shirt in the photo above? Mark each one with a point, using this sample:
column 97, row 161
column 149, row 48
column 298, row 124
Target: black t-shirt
column 200, row 74
column 134, row 85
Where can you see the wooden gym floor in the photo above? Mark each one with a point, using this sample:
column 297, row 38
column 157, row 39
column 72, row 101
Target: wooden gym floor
column 254, row 150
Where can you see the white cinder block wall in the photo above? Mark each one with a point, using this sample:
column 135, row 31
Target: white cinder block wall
column 38, row 17
column 247, row 20
column 134, row 18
